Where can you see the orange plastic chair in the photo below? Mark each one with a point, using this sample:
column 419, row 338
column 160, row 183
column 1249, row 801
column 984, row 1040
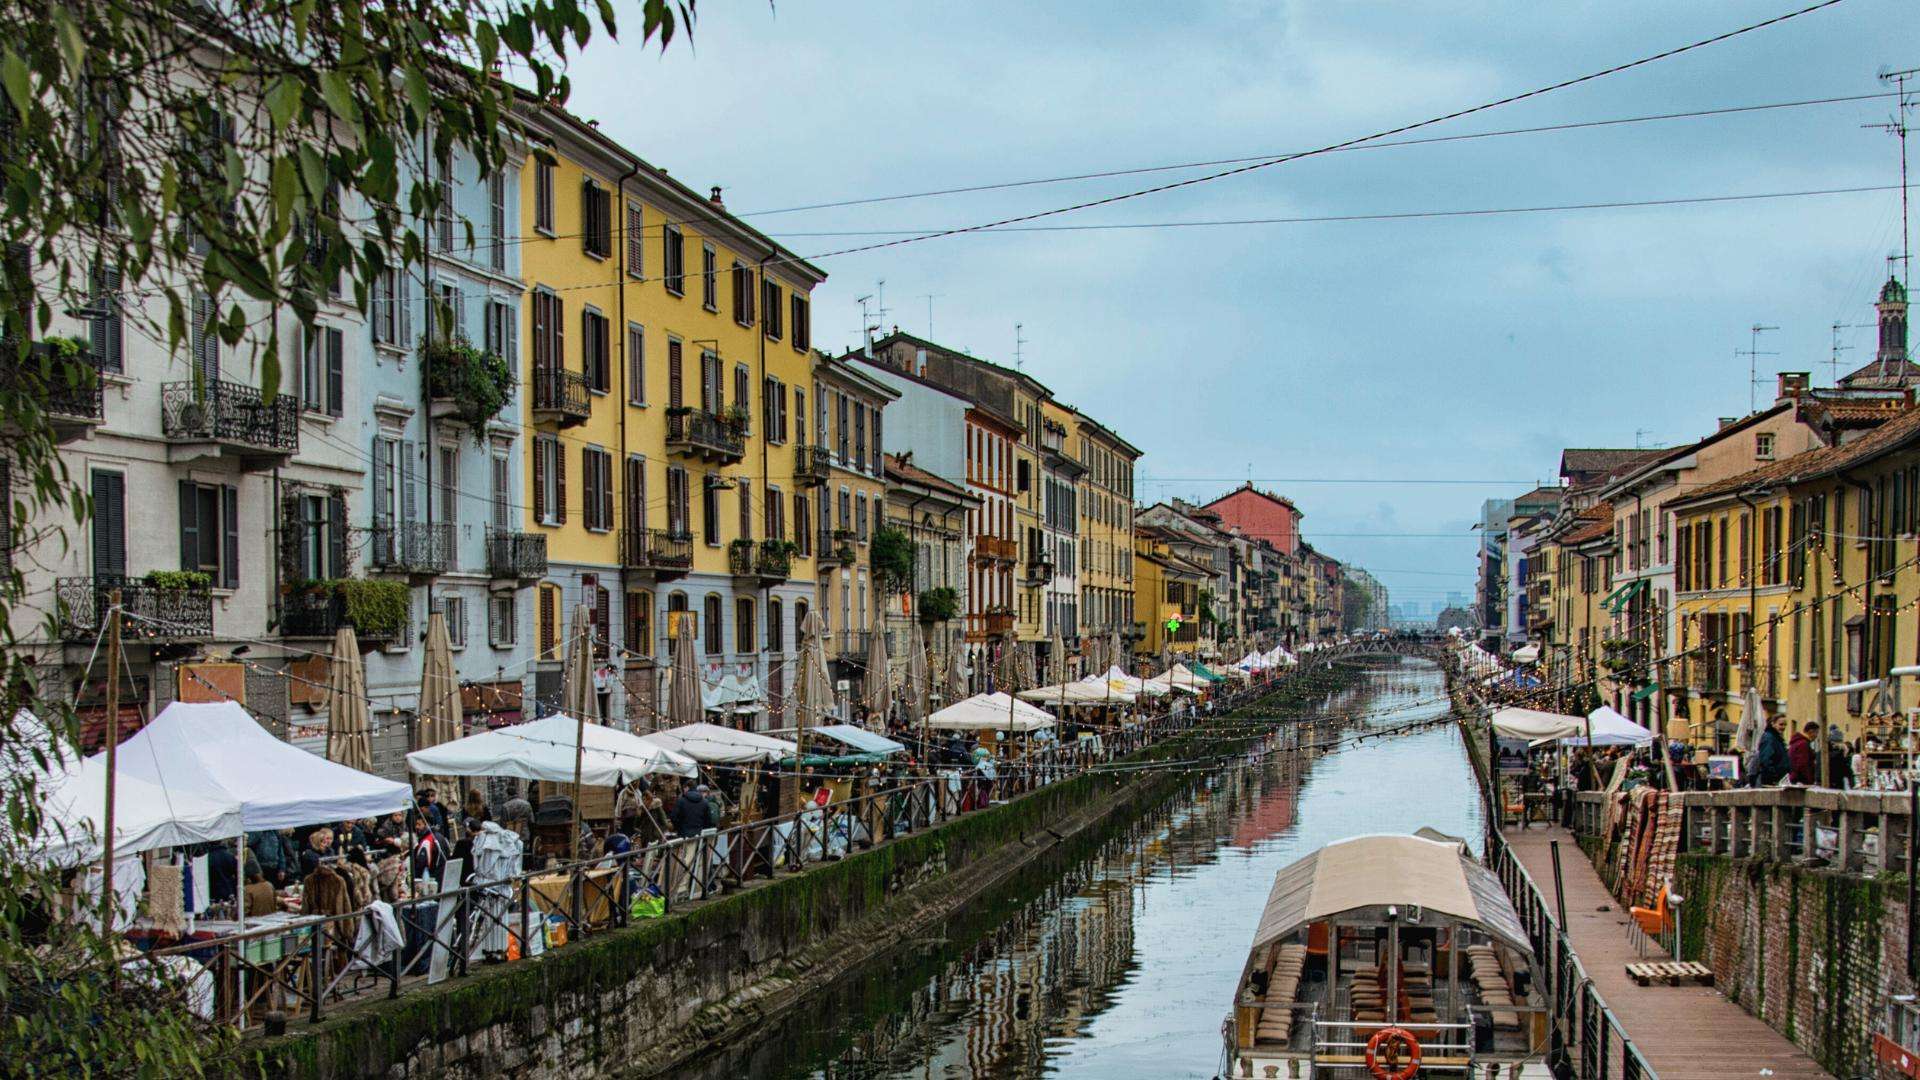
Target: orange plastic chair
column 1656, row 920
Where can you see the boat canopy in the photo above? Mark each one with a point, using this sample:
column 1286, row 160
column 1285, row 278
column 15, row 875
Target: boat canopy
column 1366, row 875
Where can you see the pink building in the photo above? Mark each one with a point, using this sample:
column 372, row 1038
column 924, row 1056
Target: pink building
column 1261, row 515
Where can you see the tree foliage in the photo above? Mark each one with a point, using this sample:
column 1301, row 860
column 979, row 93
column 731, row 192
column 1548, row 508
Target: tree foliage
column 271, row 157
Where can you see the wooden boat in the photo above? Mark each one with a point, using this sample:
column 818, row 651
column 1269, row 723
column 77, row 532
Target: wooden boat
column 1387, row 955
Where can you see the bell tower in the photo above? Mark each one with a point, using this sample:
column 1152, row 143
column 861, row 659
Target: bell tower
column 1892, row 307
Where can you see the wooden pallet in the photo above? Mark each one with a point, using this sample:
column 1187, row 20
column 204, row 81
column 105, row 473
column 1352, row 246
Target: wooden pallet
column 1670, row 972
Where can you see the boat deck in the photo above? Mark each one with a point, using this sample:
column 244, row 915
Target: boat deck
column 1684, row 1031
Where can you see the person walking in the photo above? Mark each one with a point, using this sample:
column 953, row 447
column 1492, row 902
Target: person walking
column 1770, row 760
column 692, row 813
column 1802, row 766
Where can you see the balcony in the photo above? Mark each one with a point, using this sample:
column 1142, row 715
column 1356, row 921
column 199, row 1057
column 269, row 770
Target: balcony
column 516, row 555
column 850, row 646
column 69, row 391
column 994, row 549
column 836, row 547
column 1039, row 570
column 770, row 562
column 416, row 548
column 812, row 465
column 707, row 436
column 560, row 396
column 665, row 553
column 999, row 622
column 319, row 613
column 214, row 418
column 155, row 613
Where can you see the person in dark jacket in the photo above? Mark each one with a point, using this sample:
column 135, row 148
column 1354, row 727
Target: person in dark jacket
column 1770, row 760
column 1802, row 765
column 275, row 854
column 692, row 812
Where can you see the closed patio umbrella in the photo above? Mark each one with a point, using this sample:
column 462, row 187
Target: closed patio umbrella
column 348, row 741
column 956, row 675
column 879, row 687
column 813, row 694
column 441, row 716
column 916, row 688
column 1057, row 670
column 683, row 694
column 578, row 699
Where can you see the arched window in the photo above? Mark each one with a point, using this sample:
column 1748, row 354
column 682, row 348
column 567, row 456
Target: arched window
column 776, row 634
column 743, row 630
column 716, row 642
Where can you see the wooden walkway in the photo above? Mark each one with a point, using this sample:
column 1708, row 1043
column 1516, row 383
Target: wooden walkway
column 1684, row 1031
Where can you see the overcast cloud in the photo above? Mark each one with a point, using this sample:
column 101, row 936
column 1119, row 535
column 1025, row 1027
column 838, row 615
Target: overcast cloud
column 1384, row 351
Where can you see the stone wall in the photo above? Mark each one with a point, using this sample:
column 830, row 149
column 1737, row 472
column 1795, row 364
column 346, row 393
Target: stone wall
column 1814, row 954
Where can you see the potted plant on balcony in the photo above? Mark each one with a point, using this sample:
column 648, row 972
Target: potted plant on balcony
column 735, row 419
column 476, row 381
column 938, row 604
column 893, row 557
column 375, row 608
column 179, row 580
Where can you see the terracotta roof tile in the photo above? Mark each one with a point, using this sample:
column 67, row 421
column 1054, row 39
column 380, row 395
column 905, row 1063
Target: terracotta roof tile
column 1813, row 464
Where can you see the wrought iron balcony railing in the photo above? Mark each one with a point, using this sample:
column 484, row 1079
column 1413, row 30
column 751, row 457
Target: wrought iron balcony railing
column 69, row 391
column 155, row 613
column 319, row 613
column 705, row 435
column 413, row 547
column 851, row 645
column 559, row 394
column 517, row 555
column 768, row 561
column 812, row 465
column 231, row 414
column 663, row 551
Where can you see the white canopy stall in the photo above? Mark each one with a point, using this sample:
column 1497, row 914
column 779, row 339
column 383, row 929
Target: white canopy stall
column 1534, row 725
column 545, row 749
column 711, row 744
column 994, row 711
column 1609, row 729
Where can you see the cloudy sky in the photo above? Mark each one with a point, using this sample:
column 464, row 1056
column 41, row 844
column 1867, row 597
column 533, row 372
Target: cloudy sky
column 1387, row 374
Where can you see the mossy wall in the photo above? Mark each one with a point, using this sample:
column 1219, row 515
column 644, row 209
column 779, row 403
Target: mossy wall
column 1813, row 953
column 597, row 1006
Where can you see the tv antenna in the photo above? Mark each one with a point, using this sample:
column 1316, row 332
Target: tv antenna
column 867, row 325
column 1898, row 127
column 1019, row 343
column 1753, row 353
column 930, row 298
column 1833, row 362
column 1640, row 437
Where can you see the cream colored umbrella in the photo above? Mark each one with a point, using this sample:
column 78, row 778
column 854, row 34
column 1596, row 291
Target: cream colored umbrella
column 348, row 741
column 577, row 699
column 956, row 677
column 441, row 717
column 916, row 688
column 1057, row 670
column 879, row 687
column 813, row 693
column 683, row 693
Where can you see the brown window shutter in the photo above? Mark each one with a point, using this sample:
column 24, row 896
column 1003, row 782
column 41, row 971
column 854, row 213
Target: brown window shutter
column 676, row 385
column 540, row 480
column 559, row 455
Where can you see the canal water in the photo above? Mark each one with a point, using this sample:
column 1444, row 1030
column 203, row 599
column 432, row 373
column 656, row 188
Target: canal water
column 1120, row 960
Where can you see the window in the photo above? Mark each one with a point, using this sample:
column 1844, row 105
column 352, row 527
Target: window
column 799, row 415
column 392, row 308
column 1763, row 445
column 711, row 399
column 596, row 500
column 742, row 295
column 740, row 381
column 743, row 635
column 636, row 364
column 716, row 642
column 549, row 339
column 640, row 623
column 860, row 517
column 204, row 342
column 322, row 371
column 776, row 637
column 709, row 278
column 498, row 500
column 454, row 610
column 109, row 524
column 679, row 512
column 773, row 409
column 636, row 504
column 210, row 531
column 802, row 324
column 549, row 481
column 676, row 384
column 543, row 195
column 106, row 335
column 497, row 220
column 596, row 219
column 502, row 330
column 770, row 295
column 450, row 310
column 674, row 259
column 710, row 512
column 443, row 222
column 802, row 524
column 776, row 514
column 449, row 485
column 318, row 525
column 746, row 507
column 501, row 620
column 636, row 241
column 859, row 436
column 594, row 347
column 548, row 618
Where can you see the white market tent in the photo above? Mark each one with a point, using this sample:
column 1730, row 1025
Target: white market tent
column 145, row 815
column 711, row 744
column 1526, row 654
column 1179, row 677
column 216, row 751
column 544, row 749
column 1533, row 725
column 733, row 693
column 1137, row 687
column 1609, row 729
column 1279, row 655
column 1077, row 692
column 867, row 742
column 996, row 711
column 1253, row 661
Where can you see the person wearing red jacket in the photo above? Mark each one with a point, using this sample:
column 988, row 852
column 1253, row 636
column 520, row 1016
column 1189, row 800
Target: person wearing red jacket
column 1802, row 766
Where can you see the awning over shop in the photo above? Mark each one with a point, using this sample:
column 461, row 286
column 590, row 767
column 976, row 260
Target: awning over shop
column 1201, row 670
column 1367, row 875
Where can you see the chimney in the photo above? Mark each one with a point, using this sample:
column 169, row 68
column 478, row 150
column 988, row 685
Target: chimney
column 1793, row 385
column 715, row 198
column 1727, row 422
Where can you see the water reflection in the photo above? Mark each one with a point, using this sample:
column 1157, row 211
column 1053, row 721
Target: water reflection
column 1121, row 962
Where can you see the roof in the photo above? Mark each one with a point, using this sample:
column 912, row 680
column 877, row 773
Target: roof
column 1589, row 460
column 1174, row 563
column 1105, row 432
column 919, row 342
column 1267, row 495
column 1594, row 522
column 901, row 469
column 1883, row 374
column 1814, row 464
column 1367, row 874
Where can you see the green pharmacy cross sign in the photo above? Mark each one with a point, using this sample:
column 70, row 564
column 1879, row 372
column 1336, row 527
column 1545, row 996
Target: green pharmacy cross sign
column 1173, row 625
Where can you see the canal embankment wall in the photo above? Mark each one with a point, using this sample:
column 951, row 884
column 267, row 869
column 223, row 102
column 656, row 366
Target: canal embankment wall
column 640, row 1000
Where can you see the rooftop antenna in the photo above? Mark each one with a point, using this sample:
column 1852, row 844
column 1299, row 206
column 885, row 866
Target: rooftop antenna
column 1753, row 354
column 1639, row 437
column 880, row 308
column 1019, row 343
column 867, row 325
column 1898, row 126
column 930, row 297
column 1833, row 362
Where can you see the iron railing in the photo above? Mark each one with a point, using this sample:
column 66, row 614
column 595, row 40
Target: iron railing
column 812, row 465
column 414, row 547
column 319, row 613
column 518, row 555
column 659, row 550
column 759, row 559
column 66, row 389
column 561, row 394
column 705, row 434
column 213, row 410
column 154, row 613
column 851, row 644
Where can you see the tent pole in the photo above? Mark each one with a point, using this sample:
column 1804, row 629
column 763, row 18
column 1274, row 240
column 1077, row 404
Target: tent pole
column 579, row 753
column 107, row 905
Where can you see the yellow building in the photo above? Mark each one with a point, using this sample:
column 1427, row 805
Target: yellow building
column 1797, row 576
column 1166, row 587
column 668, row 367
column 1106, row 529
column 853, row 512
column 1037, row 561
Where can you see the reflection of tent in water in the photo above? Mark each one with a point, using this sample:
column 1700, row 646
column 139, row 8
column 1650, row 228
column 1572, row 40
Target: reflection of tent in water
column 1271, row 817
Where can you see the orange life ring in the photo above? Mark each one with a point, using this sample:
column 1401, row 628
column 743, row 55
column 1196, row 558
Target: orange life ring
column 1400, row 1042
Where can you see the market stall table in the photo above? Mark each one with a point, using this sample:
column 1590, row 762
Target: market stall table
column 600, row 889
